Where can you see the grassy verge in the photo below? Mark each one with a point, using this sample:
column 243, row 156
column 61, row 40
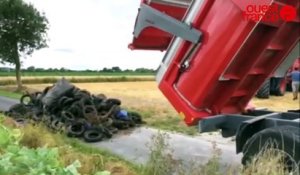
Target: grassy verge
column 92, row 160
column 9, row 94
column 51, row 80
column 161, row 160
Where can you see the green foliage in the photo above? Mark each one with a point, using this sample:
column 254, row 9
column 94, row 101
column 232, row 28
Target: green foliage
column 8, row 137
column 20, row 160
column 9, row 94
column 22, row 29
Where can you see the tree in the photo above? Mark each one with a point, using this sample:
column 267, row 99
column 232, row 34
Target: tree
column 116, row 69
column 31, row 69
column 23, row 29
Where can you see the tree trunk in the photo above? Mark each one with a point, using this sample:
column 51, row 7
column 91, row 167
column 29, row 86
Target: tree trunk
column 18, row 69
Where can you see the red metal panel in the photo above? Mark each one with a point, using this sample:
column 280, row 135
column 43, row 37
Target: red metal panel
column 155, row 39
column 235, row 58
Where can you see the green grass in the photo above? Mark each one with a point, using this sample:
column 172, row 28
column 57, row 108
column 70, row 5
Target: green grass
column 51, row 80
column 75, row 73
column 14, row 95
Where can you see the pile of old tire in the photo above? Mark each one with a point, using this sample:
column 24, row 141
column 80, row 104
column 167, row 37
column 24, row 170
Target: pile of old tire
column 78, row 113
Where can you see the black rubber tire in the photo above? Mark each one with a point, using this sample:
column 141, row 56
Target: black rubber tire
column 120, row 124
column 94, row 134
column 67, row 116
column 68, row 102
column 287, row 139
column 276, row 86
column 56, row 125
column 107, row 132
column 62, row 100
column 21, row 121
column 90, row 114
column 18, row 108
column 113, row 129
column 113, row 101
column 22, row 99
column 76, row 129
column 264, row 91
column 75, row 110
column 136, row 117
column 37, row 117
column 36, row 98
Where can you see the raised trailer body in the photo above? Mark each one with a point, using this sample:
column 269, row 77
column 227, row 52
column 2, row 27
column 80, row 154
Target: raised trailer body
column 218, row 54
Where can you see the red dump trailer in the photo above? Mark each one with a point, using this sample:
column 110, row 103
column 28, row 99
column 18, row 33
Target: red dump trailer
column 218, row 54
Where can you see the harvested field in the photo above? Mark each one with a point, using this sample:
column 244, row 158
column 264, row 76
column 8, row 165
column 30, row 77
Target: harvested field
column 139, row 94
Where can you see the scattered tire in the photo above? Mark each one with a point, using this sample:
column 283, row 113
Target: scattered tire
column 56, row 125
column 136, row 117
column 108, row 133
column 286, row 139
column 18, row 108
column 67, row 116
column 120, row 124
column 26, row 99
column 21, row 121
column 113, row 101
column 264, row 91
column 37, row 118
column 93, row 135
column 75, row 129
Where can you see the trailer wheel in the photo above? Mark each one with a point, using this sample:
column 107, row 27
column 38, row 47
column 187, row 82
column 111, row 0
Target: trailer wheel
column 284, row 139
column 264, row 90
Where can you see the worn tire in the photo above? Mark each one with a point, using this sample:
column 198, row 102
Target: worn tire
column 277, row 86
column 21, row 121
column 23, row 99
column 264, row 90
column 37, row 117
column 136, row 117
column 76, row 129
column 56, row 125
column 119, row 124
column 94, row 134
column 67, row 116
column 18, row 108
column 113, row 101
column 286, row 138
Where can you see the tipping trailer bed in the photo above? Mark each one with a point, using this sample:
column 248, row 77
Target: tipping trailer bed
column 216, row 58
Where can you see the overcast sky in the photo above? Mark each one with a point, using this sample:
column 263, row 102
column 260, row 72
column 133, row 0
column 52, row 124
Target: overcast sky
column 90, row 34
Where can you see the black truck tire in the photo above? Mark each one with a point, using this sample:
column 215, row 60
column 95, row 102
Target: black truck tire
column 287, row 140
column 93, row 135
column 277, row 86
column 264, row 90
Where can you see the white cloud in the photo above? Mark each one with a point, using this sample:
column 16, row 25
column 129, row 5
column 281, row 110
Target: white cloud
column 90, row 34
